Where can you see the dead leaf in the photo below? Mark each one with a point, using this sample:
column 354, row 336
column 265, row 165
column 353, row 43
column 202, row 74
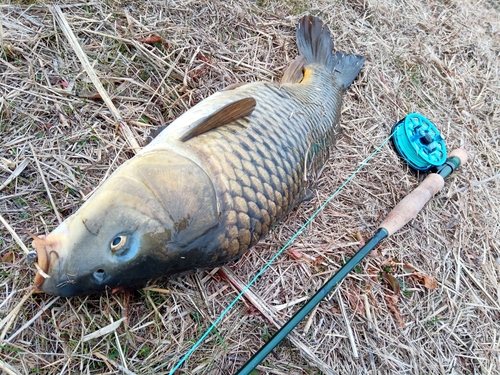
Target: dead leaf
column 429, row 282
column 203, row 58
column 8, row 258
column 392, row 282
column 408, row 268
column 335, row 310
column 295, row 254
column 90, row 95
column 153, row 39
column 318, row 260
column 194, row 74
column 392, row 304
column 356, row 303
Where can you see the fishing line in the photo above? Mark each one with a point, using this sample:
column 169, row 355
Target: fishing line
column 295, row 235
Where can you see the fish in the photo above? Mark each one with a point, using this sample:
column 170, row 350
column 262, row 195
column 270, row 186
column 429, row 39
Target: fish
column 209, row 186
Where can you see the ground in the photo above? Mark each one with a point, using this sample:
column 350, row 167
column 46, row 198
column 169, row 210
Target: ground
column 426, row 301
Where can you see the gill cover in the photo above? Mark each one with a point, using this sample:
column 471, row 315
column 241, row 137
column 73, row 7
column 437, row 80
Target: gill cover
column 147, row 220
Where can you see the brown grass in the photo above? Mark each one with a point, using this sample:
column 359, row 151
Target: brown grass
column 439, row 58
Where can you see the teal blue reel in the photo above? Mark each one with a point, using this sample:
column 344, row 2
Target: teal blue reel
column 419, row 142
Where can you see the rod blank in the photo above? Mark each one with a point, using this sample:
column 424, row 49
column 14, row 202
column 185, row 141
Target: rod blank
column 404, row 211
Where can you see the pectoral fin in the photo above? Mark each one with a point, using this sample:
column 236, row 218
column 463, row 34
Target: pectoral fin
column 294, row 72
column 230, row 112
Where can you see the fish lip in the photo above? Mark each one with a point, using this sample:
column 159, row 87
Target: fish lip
column 49, row 250
column 42, row 259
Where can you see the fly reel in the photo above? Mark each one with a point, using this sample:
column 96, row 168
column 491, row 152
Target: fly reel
column 419, row 143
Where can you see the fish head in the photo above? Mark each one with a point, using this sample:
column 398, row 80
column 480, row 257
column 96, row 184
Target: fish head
column 144, row 222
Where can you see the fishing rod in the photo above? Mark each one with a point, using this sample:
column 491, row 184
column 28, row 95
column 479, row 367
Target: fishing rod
column 420, row 144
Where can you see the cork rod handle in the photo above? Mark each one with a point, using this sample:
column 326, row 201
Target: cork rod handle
column 411, row 205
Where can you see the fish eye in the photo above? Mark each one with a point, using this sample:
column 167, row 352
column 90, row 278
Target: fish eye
column 118, row 242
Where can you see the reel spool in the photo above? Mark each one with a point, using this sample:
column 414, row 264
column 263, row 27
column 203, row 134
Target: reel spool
column 419, row 143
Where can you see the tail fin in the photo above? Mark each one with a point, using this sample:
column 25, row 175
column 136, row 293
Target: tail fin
column 316, row 45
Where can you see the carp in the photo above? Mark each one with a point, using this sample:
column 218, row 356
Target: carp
column 211, row 184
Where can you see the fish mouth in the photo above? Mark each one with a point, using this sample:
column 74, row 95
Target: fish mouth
column 42, row 259
column 49, row 250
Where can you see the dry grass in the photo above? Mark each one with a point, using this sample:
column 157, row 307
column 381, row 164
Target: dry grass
column 439, row 58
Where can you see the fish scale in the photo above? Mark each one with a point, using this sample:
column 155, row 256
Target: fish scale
column 274, row 155
column 210, row 185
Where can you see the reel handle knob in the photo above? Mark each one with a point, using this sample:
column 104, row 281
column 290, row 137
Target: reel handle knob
column 461, row 154
column 413, row 203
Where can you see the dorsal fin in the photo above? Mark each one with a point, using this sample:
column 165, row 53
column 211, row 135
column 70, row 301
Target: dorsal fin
column 294, row 71
column 153, row 133
column 230, row 112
